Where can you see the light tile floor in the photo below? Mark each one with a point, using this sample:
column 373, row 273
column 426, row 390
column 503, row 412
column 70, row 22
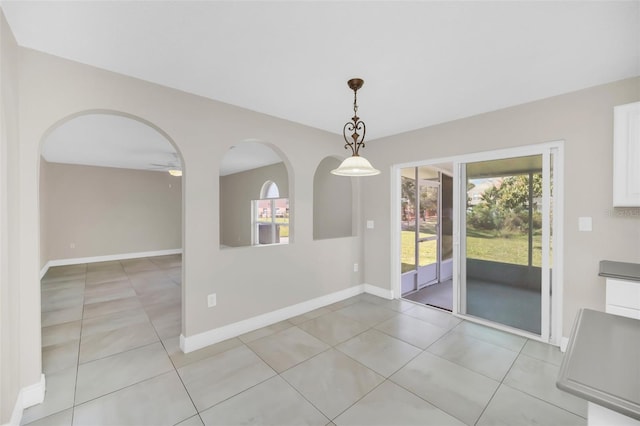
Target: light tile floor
column 110, row 334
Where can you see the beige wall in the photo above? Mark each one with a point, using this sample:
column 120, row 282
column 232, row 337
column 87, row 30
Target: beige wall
column 584, row 120
column 332, row 202
column 12, row 298
column 44, row 213
column 236, row 192
column 107, row 211
column 248, row 281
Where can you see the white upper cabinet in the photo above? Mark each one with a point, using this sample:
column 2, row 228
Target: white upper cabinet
column 626, row 155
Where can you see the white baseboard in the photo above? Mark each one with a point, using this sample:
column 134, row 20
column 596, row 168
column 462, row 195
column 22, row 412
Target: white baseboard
column 28, row 396
column 33, row 394
column 564, row 342
column 377, row 291
column 201, row 340
column 107, row 258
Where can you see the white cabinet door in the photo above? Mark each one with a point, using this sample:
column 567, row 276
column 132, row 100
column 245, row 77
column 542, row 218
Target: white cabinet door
column 623, row 298
column 626, row 155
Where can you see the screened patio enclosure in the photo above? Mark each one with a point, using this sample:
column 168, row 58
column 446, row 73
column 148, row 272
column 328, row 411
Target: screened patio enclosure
column 426, row 227
column 503, row 240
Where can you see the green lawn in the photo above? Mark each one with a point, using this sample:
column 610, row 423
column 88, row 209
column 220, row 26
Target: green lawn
column 427, row 251
column 512, row 248
column 480, row 245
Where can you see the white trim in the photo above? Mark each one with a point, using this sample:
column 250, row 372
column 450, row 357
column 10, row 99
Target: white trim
column 564, row 342
column 16, row 415
column 27, row 397
column 502, row 327
column 210, row 337
column 557, row 284
column 545, row 284
column 33, row 394
column 377, row 291
column 459, row 303
column 107, row 258
column 395, row 277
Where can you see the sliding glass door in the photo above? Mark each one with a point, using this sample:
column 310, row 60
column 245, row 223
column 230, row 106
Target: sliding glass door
column 506, row 241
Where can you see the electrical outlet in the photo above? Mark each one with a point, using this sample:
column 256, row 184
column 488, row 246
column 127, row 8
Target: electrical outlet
column 355, row 267
column 212, row 300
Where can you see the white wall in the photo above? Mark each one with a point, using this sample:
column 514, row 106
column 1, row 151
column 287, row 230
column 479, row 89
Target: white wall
column 584, row 120
column 107, row 211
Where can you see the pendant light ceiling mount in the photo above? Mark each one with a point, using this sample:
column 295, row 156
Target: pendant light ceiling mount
column 355, row 84
column 355, row 165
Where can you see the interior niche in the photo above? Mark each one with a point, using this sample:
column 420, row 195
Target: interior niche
column 332, row 202
column 245, row 171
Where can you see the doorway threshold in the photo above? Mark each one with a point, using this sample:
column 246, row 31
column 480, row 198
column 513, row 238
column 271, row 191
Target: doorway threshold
column 438, row 295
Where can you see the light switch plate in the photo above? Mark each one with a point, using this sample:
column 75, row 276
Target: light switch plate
column 369, row 224
column 212, row 300
column 585, row 224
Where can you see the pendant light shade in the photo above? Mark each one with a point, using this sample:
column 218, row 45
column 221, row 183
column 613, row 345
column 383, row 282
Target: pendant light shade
column 355, row 165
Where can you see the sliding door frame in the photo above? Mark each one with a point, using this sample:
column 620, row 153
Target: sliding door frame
column 556, row 162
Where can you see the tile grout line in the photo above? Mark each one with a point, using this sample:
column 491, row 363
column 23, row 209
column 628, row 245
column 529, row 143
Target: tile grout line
column 74, row 405
column 334, row 347
column 448, row 332
column 521, row 353
column 501, row 383
column 175, row 369
column 75, row 385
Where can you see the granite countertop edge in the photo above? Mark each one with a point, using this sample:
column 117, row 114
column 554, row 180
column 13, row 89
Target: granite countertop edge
column 590, row 391
column 620, row 270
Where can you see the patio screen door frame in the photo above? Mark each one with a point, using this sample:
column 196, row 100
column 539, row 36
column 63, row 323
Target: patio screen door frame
column 551, row 307
column 553, row 159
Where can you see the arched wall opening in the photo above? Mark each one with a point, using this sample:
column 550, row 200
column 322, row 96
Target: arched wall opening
column 252, row 212
column 332, row 202
column 111, row 229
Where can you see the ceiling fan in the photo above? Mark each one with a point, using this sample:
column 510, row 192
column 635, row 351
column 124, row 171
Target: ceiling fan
column 173, row 167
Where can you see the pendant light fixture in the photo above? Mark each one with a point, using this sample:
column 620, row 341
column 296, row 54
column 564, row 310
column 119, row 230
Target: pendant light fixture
column 355, row 165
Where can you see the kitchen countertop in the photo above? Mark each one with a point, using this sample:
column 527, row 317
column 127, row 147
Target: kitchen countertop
column 602, row 362
column 620, row 270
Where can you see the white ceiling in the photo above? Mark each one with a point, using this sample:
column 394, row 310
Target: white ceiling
column 108, row 140
column 246, row 156
column 423, row 62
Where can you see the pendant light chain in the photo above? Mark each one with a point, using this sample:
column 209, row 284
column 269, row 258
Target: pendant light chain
column 355, row 165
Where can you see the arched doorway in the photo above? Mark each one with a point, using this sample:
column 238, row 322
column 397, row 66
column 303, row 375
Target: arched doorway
column 111, row 244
